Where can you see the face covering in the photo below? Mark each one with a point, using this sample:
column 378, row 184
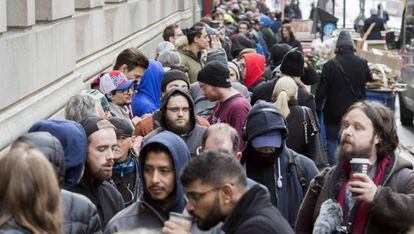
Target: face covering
column 262, row 159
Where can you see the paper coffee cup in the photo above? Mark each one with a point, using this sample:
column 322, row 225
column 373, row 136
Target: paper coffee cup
column 185, row 221
column 360, row 165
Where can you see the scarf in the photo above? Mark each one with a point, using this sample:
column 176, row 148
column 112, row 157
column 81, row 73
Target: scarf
column 362, row 212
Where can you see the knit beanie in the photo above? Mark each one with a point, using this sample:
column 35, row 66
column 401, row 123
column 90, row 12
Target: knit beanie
column 234, row 66
column 344, row 39
column 216, row 74
column 172, row 75
column 293, row 64
column 217, row 54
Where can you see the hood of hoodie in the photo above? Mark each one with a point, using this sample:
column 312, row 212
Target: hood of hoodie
column 260, row 122
column 265, row 21
column 50, row 146
column 240, row 43
column 164, row 102
column 151, row 82
column 180, row 156
column 255, row 66
column 73, row 138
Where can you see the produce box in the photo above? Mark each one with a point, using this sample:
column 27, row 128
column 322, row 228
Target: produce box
column 392, row 60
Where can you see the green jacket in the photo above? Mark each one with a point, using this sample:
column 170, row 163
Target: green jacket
column 190, row 61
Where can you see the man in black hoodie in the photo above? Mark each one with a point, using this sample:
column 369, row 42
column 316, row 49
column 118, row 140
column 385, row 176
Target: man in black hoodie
column 177, row 115
column 270, row 162
column 215, row 185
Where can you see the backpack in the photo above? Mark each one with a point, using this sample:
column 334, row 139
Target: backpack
column 295, row 162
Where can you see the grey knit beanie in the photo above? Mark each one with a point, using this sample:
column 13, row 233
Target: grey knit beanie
column 344, row 39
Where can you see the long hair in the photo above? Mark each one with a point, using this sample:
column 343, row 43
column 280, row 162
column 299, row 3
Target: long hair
column 30, row 193
column 290, row 30
column 383, row 121
column 285, row 90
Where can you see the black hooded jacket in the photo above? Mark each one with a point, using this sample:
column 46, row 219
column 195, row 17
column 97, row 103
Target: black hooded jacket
column 80, row 214
column 264, row 118
column 194, row 137
column 254, row 213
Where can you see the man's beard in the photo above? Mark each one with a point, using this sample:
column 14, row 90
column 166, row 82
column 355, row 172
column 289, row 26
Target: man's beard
column 212, row 219
column 346, row 155
column 178, row 129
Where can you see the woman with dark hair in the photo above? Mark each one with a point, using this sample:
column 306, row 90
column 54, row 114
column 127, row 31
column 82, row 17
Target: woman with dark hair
column 29, row 193
column 288, row 37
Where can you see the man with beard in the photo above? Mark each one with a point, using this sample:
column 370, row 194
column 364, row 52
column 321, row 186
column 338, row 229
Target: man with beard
column 270, row 162
column 177, row 115
column 119, row 91
column 160, row 162
column 381, row 201
column 215, row 185
column 99, row 161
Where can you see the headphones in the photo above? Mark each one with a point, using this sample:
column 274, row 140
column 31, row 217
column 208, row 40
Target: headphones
column 251, row 114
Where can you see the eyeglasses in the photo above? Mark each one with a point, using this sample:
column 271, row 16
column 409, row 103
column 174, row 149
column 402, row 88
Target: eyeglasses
column 195, row 197
column 130, row 89
column 175, row 110
column 241, row 65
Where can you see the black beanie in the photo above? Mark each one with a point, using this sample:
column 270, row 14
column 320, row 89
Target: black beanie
column 216, row 74
column 172, row 75
column 292, row 64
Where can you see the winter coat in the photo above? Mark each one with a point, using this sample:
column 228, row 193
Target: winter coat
column 104, row 195
column 255, row 214
column 288, row 196
column 296, row 140
column 145, row 213
column 11, row 226
column 390, row 211
column 192, row 62
column 268, row 36
column 376, row 31
column 334, row 94
column 147, row 100
column 80, row 214
column 255, row 65
column 294, row 43
column 73, row 138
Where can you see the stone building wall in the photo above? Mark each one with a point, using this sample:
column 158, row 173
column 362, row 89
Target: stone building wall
column 50, row 49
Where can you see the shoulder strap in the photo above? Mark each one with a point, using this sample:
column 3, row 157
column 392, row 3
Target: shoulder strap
column 402, row 179
column 305, row 124
column 312, row 119
column 294, row 161
column 337, row 64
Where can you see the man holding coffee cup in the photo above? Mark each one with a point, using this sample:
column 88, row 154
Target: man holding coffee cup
column 373, row 185
column 160, row 162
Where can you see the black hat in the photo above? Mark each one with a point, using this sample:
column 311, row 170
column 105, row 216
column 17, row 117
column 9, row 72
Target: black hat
column 92, row 124
column 123, row 127
column 172, row 75
column 216, row 74
column 292, row 64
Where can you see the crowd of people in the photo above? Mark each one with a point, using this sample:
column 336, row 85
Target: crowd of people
column 219, row 129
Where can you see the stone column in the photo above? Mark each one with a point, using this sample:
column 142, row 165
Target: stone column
column 88, row 4
column 3, row 16
column 50, row 10
column 20, row 13
column 114, row 1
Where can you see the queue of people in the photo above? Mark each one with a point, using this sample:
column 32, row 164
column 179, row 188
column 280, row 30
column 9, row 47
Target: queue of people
column 217, row 134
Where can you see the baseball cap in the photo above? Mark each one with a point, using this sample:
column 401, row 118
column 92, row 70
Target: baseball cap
column 271, row 139
column 92, row 124
column 123, row 127
column 114, row 80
